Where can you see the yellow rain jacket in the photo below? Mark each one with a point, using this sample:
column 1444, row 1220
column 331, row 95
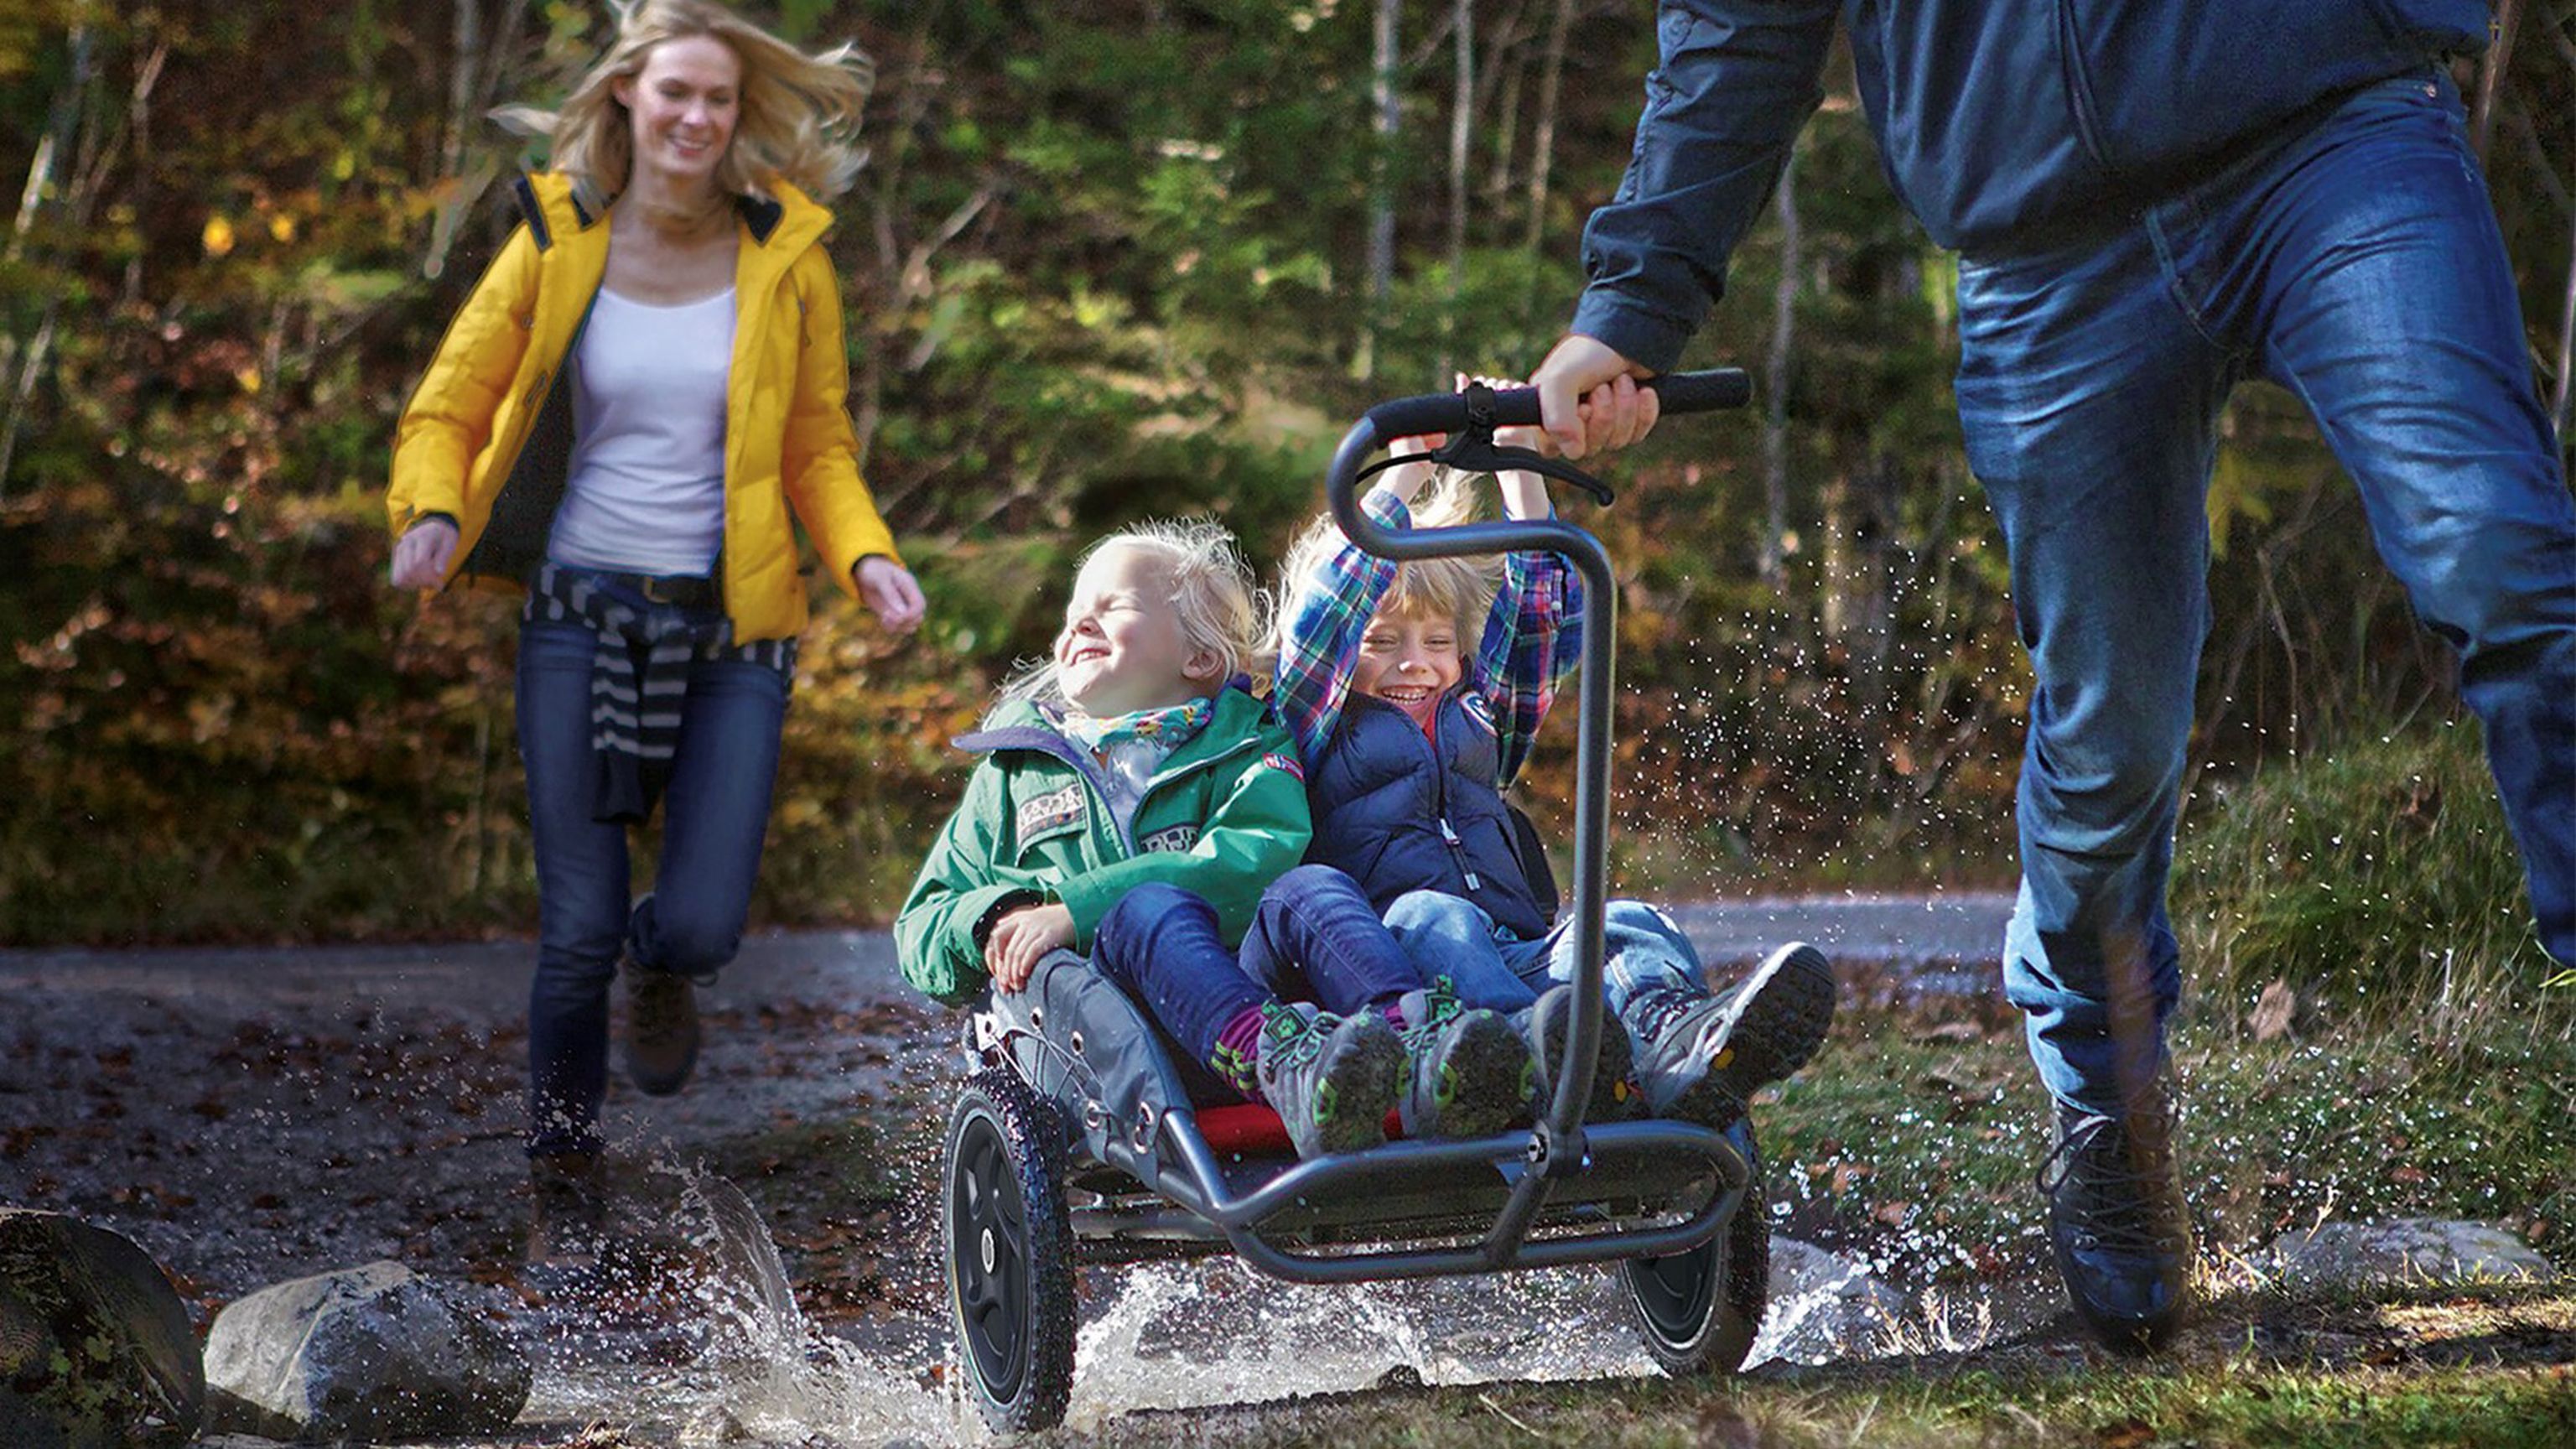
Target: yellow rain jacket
column 487, row 438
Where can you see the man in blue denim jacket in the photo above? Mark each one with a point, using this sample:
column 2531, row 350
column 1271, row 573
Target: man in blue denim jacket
column 2151, row 202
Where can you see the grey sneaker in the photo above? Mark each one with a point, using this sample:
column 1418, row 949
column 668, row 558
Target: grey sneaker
column 1546, row 1025
column 1700, row 1057
column 1468, row 1073
column 1331, row 1079
column 661, row 1030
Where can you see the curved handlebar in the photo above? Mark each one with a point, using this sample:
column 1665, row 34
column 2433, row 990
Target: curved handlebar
column 1446, row 412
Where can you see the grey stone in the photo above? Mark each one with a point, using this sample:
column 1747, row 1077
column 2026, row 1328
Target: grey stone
column 96, row 1351
column 371, row 1353
column 2407, row 1250
column 1825, row 1307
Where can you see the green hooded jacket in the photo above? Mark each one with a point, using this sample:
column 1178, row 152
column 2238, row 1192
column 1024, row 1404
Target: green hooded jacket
column 1223, row 818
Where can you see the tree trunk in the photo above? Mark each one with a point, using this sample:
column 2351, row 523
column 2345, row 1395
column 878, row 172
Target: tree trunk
column 65, row 129
column 1381, row 221
column 1543, row 143
column 1775, row 422
column 473, row 87
column 1500, row 69
column 2566, row 343
column 1462, row 133
column 2491, row 75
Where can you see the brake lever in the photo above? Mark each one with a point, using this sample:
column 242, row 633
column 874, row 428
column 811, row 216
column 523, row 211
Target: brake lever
column 1470, row 453
column 1473, row 450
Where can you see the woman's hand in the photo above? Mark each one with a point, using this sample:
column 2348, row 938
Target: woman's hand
column 1017, row 941
column 891, row 590
column 424, row 552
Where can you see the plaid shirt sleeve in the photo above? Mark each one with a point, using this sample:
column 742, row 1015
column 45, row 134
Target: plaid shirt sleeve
column 1320, row 628
column 1533, row 640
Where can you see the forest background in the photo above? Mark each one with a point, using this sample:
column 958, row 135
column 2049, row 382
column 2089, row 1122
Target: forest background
column 1109, row 260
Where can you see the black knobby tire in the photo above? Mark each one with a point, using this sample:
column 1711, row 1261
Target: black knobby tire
column 1699, row 1311
column 1010, row 1252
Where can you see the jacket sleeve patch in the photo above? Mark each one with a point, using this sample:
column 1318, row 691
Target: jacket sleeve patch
column 1042, row 813
column 1171, row 839
column 1288, row 763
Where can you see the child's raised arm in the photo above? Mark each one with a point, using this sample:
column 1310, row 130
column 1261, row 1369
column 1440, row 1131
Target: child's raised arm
column 1534, row 632
column 1329, row 605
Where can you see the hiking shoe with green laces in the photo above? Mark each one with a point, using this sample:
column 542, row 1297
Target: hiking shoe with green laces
column 661, row 1030
column 1467, row 1072
column 1700, row 1057
column 1547, row 1025
column 1331, row 1079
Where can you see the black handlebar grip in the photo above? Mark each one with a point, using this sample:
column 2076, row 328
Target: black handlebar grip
column 1446, row 412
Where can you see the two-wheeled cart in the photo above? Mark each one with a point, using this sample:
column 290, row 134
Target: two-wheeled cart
column 1072, row 1140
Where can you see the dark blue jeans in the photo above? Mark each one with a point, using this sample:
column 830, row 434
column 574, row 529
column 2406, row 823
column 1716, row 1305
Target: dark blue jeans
column 1312, row 931
column 2358, row 265
column 715, row 811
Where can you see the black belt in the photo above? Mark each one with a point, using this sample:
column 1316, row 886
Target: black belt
column 689, row 591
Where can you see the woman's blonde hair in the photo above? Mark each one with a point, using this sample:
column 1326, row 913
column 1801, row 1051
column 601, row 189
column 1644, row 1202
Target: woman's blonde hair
column 798, row 121
column 1460, row 590
column 1221, row 609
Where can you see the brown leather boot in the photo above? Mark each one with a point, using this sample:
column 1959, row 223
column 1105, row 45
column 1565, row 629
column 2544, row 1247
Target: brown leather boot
column 568, row 1221
column 661, row 1029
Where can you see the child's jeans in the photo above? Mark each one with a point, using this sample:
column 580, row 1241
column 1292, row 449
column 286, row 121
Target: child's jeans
column 1644, row 951
column 1162, row 945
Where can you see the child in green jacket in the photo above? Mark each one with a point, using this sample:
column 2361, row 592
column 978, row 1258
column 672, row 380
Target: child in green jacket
column 1137, row 804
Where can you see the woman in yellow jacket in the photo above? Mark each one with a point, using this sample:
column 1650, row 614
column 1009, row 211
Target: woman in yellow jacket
column 651, row 375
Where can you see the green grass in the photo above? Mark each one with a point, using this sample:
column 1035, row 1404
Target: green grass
column 1917, row 1152
column 2379, row 884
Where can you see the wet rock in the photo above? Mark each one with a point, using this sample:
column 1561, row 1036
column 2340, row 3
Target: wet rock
column 96, row 1351
column 371, row 1353
column 1825, row 1307
column 2408, row 1250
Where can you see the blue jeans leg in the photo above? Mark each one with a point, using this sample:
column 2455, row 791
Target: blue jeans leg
column 1643, row 951
column 2357, row 263
column 1446, row 935
column 581, row 891
column 2089, row 405
column 715, row 817
column 717, row 808
column 1162, row 946
column 2368, row 271
column 1315, row 937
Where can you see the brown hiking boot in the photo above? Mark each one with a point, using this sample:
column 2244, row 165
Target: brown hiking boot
column 568, row 1221
column 661, row 1029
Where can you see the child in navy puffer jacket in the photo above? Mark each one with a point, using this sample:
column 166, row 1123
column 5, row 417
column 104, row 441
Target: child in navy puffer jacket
column 1409, row 739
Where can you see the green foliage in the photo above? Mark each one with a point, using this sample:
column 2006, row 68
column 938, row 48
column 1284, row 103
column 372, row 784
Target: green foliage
column 1107, row 262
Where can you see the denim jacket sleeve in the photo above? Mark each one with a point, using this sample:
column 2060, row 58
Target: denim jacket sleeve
column 1737, row 80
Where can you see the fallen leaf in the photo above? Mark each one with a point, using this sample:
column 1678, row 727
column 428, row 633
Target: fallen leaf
column 2270, row 1018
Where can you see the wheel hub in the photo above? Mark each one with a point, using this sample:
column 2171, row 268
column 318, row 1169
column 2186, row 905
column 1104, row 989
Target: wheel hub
column 985, row 1247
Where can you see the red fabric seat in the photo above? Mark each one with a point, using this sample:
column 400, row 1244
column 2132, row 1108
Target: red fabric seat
column 1253, row 1130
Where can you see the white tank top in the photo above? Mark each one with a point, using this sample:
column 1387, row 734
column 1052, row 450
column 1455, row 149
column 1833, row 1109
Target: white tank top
column 646, row 491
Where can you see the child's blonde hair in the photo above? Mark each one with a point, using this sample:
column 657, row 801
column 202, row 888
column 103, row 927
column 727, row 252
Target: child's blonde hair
column 1221, row 610
column 1460, row 590
column 797, row 122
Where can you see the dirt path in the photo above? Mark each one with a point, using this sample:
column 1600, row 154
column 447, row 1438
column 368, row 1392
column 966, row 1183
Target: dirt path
column 255, row 1115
